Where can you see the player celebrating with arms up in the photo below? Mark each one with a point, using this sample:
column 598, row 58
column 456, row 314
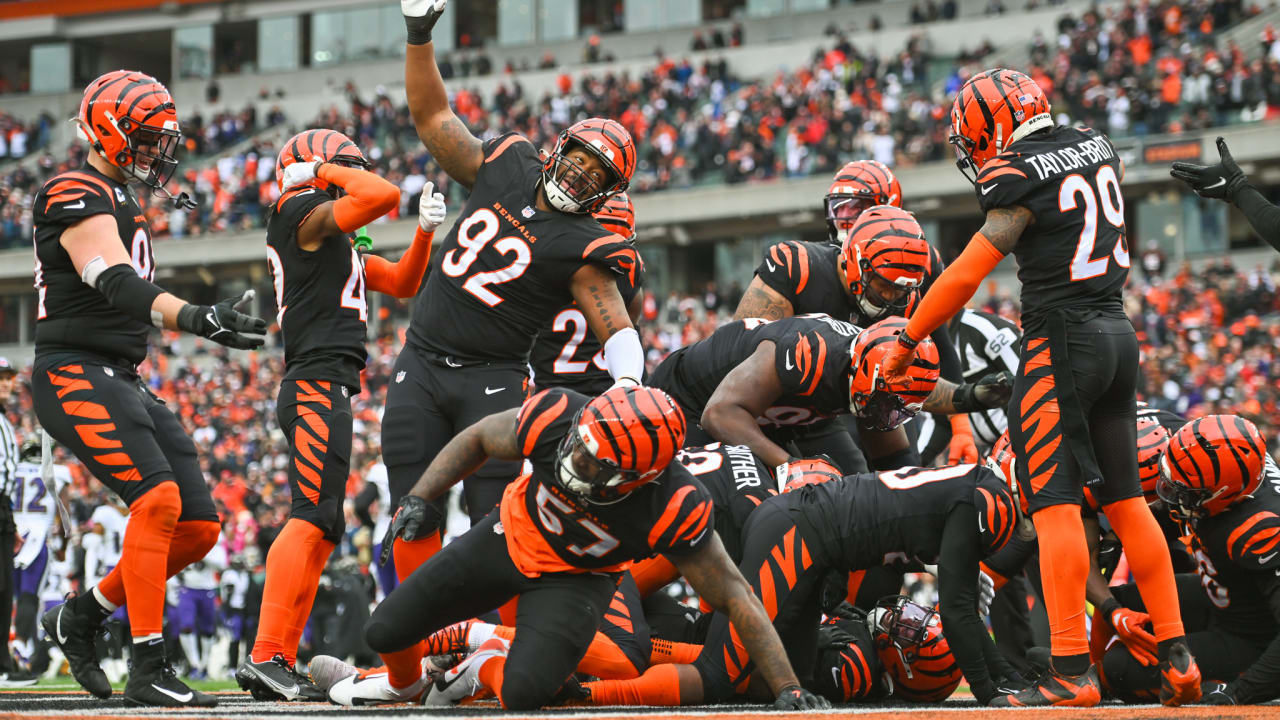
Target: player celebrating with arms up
column 97, row 304
column 1052, row 197
column 320, row 279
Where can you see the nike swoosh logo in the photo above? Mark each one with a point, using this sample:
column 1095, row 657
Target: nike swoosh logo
column 988, row 189
column 772, row 267
column 283, row 689
column 835, row 676
column 788, row 361
column 79, row 204
column 61, row 638
column 982, row 527
column 1267, row 559
column 1221, row 181
column 490, row 391
column 182, row 698
column 451, row 363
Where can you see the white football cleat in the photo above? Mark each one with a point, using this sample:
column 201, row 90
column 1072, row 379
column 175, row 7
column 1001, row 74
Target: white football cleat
column 372, row 689
column 327, row 670
column 463, row 681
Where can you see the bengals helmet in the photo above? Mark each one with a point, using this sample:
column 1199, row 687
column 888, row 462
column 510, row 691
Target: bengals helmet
column 620, row 440
column 876, row 404
column 130, row 120
column 795, row 474
column 330, row 146
column 1002, row 460
column 916, row 657
column 1211, row 463
column 1153, row 438
column 618, row 216
column 886, row 244
column 568, row 187
column 857, row 186
column 992, row 111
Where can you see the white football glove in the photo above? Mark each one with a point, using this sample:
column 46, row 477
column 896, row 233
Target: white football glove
column 986, row 592
column 431, row 208
column 419, row 8
column 298, row 173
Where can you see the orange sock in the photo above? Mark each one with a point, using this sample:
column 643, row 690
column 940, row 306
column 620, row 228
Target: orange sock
column 287, row 579
column 653, row 574
column 315, row 560
column 191, row 541
column 659, row 685
column 404, row 667
column 1149, row 561
column 410, row 555
column 1064, row 570
column 678, row 653
column 491, row 672
column 152, row 518
column 605, row 660
column 507, row 613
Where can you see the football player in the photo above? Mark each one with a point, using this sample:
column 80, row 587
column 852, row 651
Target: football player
column 762, row 384
column 1212, row 479
column 1225, row 181
column 36, row 519
column 1052, row 197
column 565, row 354
column 955, row 516
column 320, row 280
column 600, row 492
column 96, row 306
column 523, row 247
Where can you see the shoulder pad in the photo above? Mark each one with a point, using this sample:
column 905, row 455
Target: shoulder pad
column 786, row 267
column 685, row 521
column 614, row 252
column 800, row 358
column 1002, row 181
column 498, row 146
column 1254, row 543
column 74, row 195
column 541, row 411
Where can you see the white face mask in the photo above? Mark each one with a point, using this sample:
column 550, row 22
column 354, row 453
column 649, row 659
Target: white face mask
column 559, row 199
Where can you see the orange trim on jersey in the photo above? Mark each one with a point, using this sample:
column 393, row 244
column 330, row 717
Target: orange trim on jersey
column 696, row 523
column 999, row 172
column 802, row 260
column 85, row 409
column 855, row 583
column 92, row 179
column 530, row 552
column 1247, row 525
column 802, row 349
column 1269, row 539
column 540, row 423
column 502, row 147
column 669, row 515
column 92, row 435
column 602, row 241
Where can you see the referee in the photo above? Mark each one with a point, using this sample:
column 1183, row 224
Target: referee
column 10, row 675
column 1225, row 181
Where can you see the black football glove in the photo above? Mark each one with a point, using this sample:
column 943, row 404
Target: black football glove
column 1219, row 182
column 225, row 323
column 1217, row 694
column 795, row 697
column 831, row 635
column 992, row 390
column 415, row 518
column 419, row 17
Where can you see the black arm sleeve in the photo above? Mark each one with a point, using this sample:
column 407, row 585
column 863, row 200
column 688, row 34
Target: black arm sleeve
column 128, row 293
column 975, row 652
column 948, row 358
column 363, row 500
column 1010, row 560
column 1262, row 215
column 1261, row 682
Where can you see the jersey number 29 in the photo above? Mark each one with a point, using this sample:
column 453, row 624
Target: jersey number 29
column 1074, row 192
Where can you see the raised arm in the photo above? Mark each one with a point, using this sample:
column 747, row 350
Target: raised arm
column 446, row 137
column 596, row 291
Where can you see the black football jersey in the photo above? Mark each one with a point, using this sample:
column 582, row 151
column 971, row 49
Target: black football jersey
column 502, row 272
column 320, row 296
column 567, row 354
column 847, row 671
column 880, row 518
column 807, row 274
column 1237, row 554
column 551, row 530
column 70, row 315
column 1171, row 421
column 812, row 356
column 738, row 482
column 1075, row 254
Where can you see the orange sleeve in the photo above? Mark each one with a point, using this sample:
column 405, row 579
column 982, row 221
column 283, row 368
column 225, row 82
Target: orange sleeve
column 954, row 287
column 368, row 197
column 402, row 278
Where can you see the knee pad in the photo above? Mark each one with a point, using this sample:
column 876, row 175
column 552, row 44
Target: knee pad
column 522, row 690
column 382, row 636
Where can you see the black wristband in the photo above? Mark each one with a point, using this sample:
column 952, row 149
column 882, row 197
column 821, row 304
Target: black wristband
column 189, row 319
column 418, row 29
column 1109, row 606
column 964, row 399
column 129, row 293
column 905, row 340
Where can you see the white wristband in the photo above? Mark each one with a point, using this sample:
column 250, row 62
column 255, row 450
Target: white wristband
column 623, row 355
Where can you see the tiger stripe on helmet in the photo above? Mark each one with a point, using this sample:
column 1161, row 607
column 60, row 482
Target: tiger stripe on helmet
column 934, row 673
column 993, row 109
column 638, row 430
column 888, row 242
column 1220, row 455
column 871, row 179
column 618, row 216
column 1153, row 438
column 319, row 144
column 870, row 349
column 127, row 115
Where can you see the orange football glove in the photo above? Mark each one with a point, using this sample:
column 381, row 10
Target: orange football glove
column 962, row 449
column 895, row 364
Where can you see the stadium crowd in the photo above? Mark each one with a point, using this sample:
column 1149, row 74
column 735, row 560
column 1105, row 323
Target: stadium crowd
column 1139, row 68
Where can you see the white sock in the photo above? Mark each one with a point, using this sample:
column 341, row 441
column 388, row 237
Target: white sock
column 102, row 600
column 478, row 633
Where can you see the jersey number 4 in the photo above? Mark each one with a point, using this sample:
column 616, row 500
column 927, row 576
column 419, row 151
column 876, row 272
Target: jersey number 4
column 474, row 235
column 1073, row 192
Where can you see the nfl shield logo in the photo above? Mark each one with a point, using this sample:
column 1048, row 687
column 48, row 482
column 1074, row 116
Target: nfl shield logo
column 400, row 376
column 527, row 212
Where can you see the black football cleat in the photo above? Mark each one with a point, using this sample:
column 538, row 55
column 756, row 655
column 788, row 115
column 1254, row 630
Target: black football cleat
column 1055, row 689
column 74, row 634
column 275, row 679
column 153, row 683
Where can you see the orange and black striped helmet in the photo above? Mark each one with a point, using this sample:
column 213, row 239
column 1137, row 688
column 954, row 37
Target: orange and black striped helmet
column 886, row 244
column 320, row 144
column 992, row 111
column 858, row 185
column 618, row 216
column 568, row 187
column 916, row 656
column 620, row 441
column 130, row 120
column 795, row 474
column 876, row 404
column 1211, row 463
column 1002, row 460
column 1153, row 438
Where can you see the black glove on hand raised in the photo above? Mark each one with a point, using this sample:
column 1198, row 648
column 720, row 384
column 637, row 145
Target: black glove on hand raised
column 225, row 323
column 420, row 17
column 1219, row 182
